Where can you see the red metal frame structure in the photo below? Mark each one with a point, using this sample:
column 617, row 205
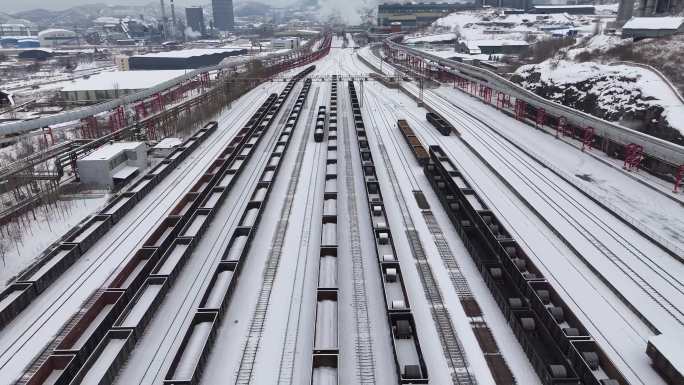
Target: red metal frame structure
column 520, row 109
column 588, row 138
column 678, row 178
column 634, row 153
column 541, row 118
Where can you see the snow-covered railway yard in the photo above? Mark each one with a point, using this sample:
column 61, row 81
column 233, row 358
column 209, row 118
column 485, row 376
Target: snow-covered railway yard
column 346, row 261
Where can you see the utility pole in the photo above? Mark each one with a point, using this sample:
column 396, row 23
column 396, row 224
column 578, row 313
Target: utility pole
column 362, row 97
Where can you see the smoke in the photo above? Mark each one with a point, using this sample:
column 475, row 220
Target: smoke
column 347, row 11
column 191, row 34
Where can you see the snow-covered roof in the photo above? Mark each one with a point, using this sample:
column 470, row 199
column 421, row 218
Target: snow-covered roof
column 562, row 6
column 168, row 143
column 123, row 80
column 108, row 151
column 187, row 53
column 498, row 43
column 670, row 346
column 431, row 38
column 669, row 22
column 56, row 31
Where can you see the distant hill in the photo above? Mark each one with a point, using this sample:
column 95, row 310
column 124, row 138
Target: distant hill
column 85, row 14
column 9, row 19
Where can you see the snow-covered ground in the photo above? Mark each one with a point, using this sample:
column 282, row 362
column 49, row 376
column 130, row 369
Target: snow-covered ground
column 286, row 342
column 626, row 344
column 619, row 89
column 493, row 24
column 36, row 235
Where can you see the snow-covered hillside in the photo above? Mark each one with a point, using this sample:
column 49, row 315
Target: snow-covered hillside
column 633, row 95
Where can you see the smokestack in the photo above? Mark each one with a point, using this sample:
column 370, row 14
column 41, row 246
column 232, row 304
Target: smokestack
column 173, row 20
column 163, row 12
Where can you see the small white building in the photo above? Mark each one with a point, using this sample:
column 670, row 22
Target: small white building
column 57, row 37
column 165, row 147
column 113, row 165
column 285, row 43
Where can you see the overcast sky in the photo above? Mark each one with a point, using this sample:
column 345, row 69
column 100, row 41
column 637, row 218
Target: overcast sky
column 10, row 6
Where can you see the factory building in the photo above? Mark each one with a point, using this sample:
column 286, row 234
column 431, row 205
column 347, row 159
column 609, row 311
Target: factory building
column 416, row 15
column 515, row 4
column 569, row 9
column 113, row 165
column 183, row 59
column 195, row 19
column 645, row 27
column 648, row 8
column 57, row 37
column 111, row 85
column 17, row 30
column 222, row 10
column 285, row 43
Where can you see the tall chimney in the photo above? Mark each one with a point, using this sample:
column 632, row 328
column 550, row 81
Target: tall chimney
column 163, row 13
column 173, row 21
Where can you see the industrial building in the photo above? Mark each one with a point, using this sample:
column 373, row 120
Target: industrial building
column 515, row 4
column 285, row 43
column 17, row 30
column 113, row 165
column 645, row 27
column 492, row 47
column 569, row 9
column 57, row 37
column 112, row 85
column 195, row 19
column 648, row 8
column 416, row 15
column 224, row 20
column 183, row 59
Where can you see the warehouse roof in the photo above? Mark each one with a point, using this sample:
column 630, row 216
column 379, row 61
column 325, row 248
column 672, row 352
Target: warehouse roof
column 108, row 151
column 123, row 80
column 654, row 23
column 187, row 53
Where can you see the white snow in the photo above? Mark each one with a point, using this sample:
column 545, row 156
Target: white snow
column 55, row 259
column 670, row 346
column 44, row 231
column 326, row 325
column 172, row 257
column 608, row 80
column 142, row 304
column 327, row 276
column 324, row 375
column 103, row 362
column 431, row 38
column 192, row 351
column 188, row 53
column 654, row 23
column 218, row 291
column 111, row 150
column 236, row 248
column 123, row 80
column 195, row 225
column 168, row 143
column 94, row 323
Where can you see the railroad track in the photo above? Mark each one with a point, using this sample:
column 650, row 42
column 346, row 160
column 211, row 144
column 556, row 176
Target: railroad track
column 579, row 225
column 451, row 344
column 174, row 330
column 428, row 132
column 365, row 360
column 245, row 371
column 20, row 339
column 287, row 360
